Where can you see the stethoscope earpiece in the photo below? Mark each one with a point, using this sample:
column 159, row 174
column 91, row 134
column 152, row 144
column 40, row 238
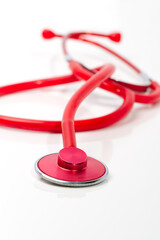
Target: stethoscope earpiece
column 71, row 167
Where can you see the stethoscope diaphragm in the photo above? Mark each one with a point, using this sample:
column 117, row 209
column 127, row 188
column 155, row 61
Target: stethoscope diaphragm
column 71, row 167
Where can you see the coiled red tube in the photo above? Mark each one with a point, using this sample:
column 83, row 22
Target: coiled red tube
column 55, row 126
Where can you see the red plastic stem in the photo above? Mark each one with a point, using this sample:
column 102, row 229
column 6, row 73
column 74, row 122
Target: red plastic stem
column 68, row 129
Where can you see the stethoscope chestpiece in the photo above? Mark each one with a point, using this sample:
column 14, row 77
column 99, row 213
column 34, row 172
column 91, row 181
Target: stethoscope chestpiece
column 71, row 167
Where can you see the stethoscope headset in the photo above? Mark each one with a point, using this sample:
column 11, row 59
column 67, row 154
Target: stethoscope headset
column 71, row 166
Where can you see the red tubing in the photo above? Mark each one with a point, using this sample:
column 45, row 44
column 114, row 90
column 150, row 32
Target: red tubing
column 152, row 97
column 68, row 130
column 146, row 98
column 149, row 98
column 55, row 126
column 81, row 73
column 79, row 36
column 116, row 37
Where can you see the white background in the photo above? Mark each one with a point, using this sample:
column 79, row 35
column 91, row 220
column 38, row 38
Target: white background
column 126, row 207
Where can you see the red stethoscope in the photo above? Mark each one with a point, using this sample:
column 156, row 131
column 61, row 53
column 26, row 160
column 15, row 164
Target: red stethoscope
column 71, row 166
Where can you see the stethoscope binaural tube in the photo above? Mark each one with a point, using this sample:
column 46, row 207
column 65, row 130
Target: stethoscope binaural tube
column 140, row 91
column 146, row 98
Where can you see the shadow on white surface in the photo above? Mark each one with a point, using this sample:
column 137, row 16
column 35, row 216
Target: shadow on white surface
column 67, row 192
